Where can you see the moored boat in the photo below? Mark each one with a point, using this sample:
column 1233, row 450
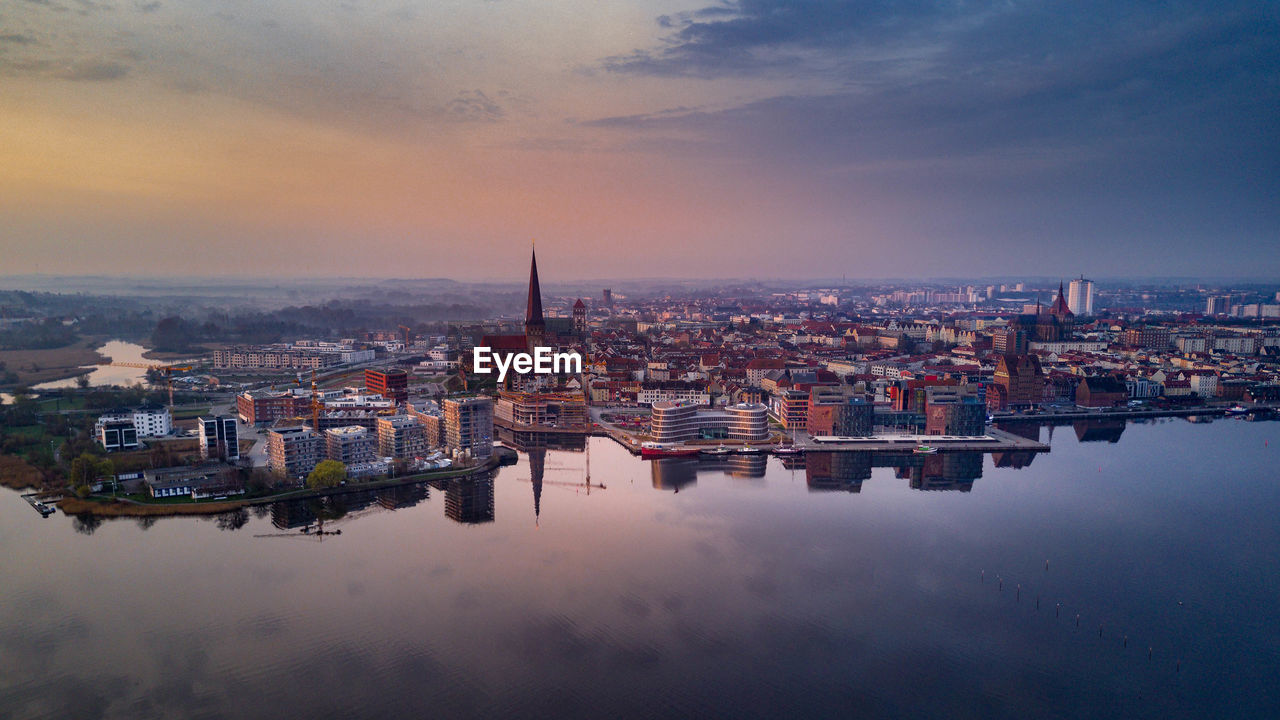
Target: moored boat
column 926, row 450
column 661, row 450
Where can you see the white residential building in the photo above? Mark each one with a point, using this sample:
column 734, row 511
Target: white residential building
column 1080, row 296
column 147, row 421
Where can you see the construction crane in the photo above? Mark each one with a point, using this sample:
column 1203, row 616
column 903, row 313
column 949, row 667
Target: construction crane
column 168, row 371
column 570, row 485
column 315, row 403
column 407, row 330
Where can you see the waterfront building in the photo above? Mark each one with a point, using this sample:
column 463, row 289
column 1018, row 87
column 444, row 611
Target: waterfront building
column 747, row 422
column 468, row 425
column 429, row 417
column 561, row 409
column 1020, row 380
column 856, row 418
column 293, row 451
column 350, row 445
column 1101, row 391
column 401, row 437
column 952, row 414
column 676, row 421
column 791, row 408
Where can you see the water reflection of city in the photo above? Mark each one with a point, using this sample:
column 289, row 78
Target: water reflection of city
column 843, row 471
column 467, row 500
column 470, row 500
column 1094, row 430
column 679, row 472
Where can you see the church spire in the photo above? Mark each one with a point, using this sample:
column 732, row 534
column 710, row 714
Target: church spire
column 533, row 309
column 1060, row 307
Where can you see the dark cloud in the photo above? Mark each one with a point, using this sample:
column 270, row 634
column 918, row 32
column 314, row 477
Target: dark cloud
column 148, row 7
column 17, row 39
column 1155, row 118
column 474, row 106
column 95, row 72
column 755, row 35
column 908, row 83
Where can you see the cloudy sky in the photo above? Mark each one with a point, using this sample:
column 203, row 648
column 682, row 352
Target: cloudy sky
column 748, row 138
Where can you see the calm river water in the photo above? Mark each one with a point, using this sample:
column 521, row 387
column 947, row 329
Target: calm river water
column 851, row 587
column 117, row 351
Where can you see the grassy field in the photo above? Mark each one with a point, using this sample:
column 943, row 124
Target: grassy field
column 30, row 433
column 37, row 366
column 190, row 413
column 61, row 404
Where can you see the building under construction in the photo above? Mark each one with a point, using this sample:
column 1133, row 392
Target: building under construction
column 533, row 409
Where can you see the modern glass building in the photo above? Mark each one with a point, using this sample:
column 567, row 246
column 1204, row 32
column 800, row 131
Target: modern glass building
column 679, row 421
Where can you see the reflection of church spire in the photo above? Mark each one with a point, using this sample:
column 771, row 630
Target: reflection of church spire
column 537, row 465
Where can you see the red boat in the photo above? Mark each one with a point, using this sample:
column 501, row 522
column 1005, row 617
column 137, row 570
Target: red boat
column 662, row 450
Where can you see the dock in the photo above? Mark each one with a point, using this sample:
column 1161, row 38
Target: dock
column 45, row 509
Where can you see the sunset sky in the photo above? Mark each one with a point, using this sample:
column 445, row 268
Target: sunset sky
column 759, row 138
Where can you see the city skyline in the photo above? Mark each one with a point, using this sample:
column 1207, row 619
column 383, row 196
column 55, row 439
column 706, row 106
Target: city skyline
column 871, row 142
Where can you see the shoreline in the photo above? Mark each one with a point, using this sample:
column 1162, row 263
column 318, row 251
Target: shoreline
column 63, row 363
column 109, row 507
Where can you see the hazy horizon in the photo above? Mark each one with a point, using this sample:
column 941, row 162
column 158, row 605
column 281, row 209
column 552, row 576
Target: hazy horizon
column 520, row 278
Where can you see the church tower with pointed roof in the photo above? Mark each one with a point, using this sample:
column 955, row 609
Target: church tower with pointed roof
column 1060, row 308
column 535, row 326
